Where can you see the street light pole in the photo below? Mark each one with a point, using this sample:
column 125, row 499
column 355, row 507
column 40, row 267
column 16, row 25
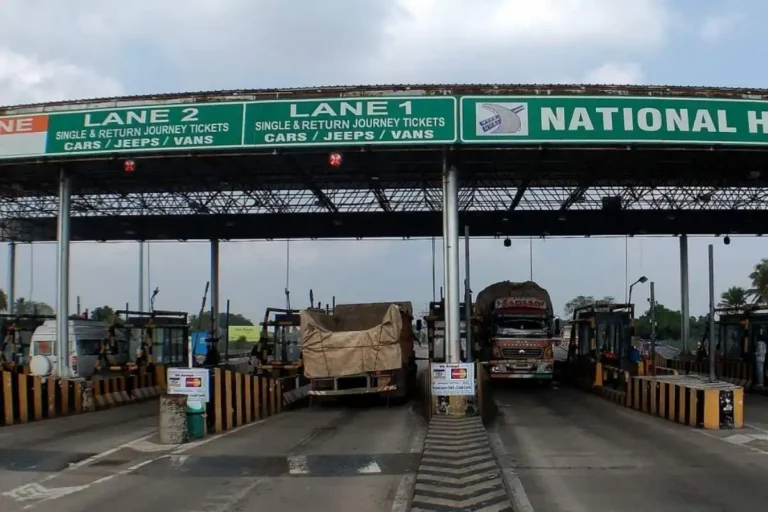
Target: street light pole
column 642, row 279
column 653, row 329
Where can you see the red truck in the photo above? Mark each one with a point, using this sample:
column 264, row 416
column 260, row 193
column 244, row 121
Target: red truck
column 514, row 330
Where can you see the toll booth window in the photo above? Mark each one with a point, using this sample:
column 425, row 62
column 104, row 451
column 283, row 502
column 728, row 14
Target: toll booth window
column 585, row 338
column 89, row 347
column 734, row 339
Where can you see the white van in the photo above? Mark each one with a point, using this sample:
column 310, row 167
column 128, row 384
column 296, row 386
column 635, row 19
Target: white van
column 85, row 338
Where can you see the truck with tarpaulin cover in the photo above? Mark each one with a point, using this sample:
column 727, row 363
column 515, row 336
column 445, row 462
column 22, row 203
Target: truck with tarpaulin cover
column 359, row 349
column 514, row 328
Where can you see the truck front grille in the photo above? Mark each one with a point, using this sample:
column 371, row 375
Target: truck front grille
column 522, row 353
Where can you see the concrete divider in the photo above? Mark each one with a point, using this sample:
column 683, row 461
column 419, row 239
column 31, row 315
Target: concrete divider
column 739, row 373
column 239, row 398
column 25, row 398
column 689, row 400
column 685, row 399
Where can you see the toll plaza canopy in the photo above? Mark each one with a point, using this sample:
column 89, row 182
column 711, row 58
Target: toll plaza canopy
column 533, row 160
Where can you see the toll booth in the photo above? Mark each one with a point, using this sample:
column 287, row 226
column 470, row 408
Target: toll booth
column 15, row 338
column 603, row 334
column 156, row 337
column 435, row 321
column 738, row 332
column 278, row 352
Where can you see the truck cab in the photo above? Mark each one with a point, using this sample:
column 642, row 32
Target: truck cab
column 519, row 338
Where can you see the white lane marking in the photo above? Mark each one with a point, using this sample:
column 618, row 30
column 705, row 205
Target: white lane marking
column 369, row 468
column 736, row 440
column 228, row 501
column 298, row 465
column 404, row 493
column 36, row 491
column 515, row 489
column 96, row 457
column 177, row 451
column 755, row 427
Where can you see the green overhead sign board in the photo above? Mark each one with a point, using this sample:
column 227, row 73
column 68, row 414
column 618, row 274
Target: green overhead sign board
column 601, row 119
column 146, row 129
column 352, row 121
column 387, row 120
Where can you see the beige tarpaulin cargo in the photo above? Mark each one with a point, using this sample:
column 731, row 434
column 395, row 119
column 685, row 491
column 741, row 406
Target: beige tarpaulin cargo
column 357, row 338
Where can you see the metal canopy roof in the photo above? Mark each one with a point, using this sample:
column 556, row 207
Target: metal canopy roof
column 541, row 190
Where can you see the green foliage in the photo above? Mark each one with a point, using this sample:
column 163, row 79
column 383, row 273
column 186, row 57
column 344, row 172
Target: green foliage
column 759, row 278
column 584, row 300
column 25, row 307
column 733, row 297
column 204, row 323
column 3, row 301
column 102, row 314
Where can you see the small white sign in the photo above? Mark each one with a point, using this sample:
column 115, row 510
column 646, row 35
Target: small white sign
column 192, row 382
column 456, row 379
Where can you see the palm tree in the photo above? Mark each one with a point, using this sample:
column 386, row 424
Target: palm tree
column 3, row 301
column 759, row 279
column 733, row 298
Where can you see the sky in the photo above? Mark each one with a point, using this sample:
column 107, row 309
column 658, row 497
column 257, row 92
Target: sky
column 52, row 50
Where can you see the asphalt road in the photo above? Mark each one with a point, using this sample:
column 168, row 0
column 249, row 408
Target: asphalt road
column 329, row 458
column 577, row 452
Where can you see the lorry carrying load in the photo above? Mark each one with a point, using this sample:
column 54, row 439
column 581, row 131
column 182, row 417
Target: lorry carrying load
column 359, row 349
column 515, row 326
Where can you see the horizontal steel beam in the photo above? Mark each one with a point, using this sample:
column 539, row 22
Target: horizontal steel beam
column 395, row 224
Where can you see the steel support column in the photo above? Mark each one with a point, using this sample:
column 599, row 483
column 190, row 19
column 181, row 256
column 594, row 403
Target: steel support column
column 685, row 324
column 141, row 276
column 452, row 313
column 62, row 267
column 215, row 284
column 467, row 297
column 712, row 343
column 11, row 277
column 445, row 298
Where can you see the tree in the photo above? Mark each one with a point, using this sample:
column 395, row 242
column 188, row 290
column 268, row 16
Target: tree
column 204, row 323
column 585, row 300
column 32, row 307
column 759, row 277
column 103, row 314
column 733, row 297
column 668, row 324
column 3, row 301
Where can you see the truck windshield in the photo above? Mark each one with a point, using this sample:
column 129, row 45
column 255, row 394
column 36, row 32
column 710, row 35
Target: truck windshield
column 527, row 327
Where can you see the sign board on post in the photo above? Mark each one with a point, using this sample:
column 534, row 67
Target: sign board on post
column 453, row 379
column 192, row 382
column 611, row 120
column 351, row 121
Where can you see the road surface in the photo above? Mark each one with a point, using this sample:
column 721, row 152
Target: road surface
column 576, row 452
column 331, row 458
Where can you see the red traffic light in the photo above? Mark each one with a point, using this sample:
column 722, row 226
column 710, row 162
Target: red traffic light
column 335, row 159
column 129, row 166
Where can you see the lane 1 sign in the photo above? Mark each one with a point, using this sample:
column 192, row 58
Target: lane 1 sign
column 351, row 121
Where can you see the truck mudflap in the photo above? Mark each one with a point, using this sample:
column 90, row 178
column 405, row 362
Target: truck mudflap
column 353, row 391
